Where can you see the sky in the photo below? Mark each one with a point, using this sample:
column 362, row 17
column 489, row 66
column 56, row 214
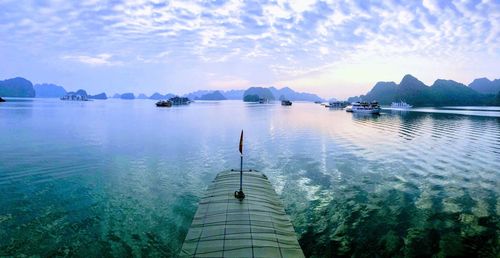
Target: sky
column 328, row 47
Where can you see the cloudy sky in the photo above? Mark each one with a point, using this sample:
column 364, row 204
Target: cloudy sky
column 332, row 48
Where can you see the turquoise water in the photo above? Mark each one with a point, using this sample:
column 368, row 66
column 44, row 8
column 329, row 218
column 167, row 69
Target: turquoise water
column 123, row 178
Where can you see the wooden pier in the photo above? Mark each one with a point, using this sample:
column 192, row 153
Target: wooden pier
column 256, row 226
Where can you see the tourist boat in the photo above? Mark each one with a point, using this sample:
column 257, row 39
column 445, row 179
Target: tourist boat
column 286, row 103
column 74, row 97
column 176, row 101
column 263, row 101
column 364, row 107
column 337, row 104
column 401, row 105
column 164, row 103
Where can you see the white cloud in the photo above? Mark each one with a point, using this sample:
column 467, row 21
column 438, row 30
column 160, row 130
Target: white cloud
column 300, row 6
column 289, row 38
column 324, row 50
column 101, row 59
column 432, row 5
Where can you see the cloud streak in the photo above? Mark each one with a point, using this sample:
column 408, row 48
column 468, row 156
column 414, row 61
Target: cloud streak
column 101, row 59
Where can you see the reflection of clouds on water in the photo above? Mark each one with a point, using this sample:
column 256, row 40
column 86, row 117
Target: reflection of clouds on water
column 486, row 112
column 404, row 202
column 128, row 183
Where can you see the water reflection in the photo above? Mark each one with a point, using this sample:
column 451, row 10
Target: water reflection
column 123, row 178
column 364, row 117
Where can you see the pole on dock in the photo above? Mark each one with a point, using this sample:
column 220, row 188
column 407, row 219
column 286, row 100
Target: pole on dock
column 239, row 194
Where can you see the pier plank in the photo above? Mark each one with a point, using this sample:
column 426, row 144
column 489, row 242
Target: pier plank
column 257, row 226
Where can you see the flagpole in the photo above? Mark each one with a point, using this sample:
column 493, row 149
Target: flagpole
column 239, row 194
column 241, row 173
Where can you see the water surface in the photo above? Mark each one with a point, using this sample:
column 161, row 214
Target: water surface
column 121, row 178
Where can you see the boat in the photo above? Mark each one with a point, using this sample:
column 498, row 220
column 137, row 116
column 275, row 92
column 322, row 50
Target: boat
column 263, row 101
column 337, row 104
column 286, row 103
column 74, row 97
column 317, row 102
column 231, row 223
column 364, row 107
column 177, row 101
column 164, row 103
column 401, row 105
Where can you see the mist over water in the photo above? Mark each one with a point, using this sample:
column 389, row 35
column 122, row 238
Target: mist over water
column 118, row 178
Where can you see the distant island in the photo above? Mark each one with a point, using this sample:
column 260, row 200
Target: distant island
column 216, row 95
column 254, row 94
column 481, row 91
column 289, row 94
column 17, row 87
column 142, row 96
column 441, row 93
column 270, row 93
column 48, row 90
column 158, row 96
column 99, row 96
column 128, row 95
column 20, row 87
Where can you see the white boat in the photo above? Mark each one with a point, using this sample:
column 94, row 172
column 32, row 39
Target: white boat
column 401, row 105
column 364, row 107
column 74, row 97
column 337, row 104
column 263, row 101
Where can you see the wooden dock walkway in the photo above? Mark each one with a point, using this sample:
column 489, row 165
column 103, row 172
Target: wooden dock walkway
column 257, row 226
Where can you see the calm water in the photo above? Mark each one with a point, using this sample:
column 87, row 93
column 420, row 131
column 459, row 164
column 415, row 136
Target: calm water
column 123, row 178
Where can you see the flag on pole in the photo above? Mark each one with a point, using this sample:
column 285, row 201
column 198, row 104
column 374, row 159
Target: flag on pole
column 241, row 143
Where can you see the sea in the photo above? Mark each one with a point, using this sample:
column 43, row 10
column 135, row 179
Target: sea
column 122, row 178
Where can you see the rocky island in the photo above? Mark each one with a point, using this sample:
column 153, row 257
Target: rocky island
column 99, row 96
column 17, row 87
column 254, row 94
column 127, row 95
column 440, row 93
column 48, row 90
column 216, row 95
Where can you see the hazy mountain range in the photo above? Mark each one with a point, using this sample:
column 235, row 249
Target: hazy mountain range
column 440, row 93
column 216, row 95
column 485, row 86
column 20, row 87
column 481, row 91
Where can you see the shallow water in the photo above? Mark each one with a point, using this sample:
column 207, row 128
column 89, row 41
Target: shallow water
column 118, row 178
